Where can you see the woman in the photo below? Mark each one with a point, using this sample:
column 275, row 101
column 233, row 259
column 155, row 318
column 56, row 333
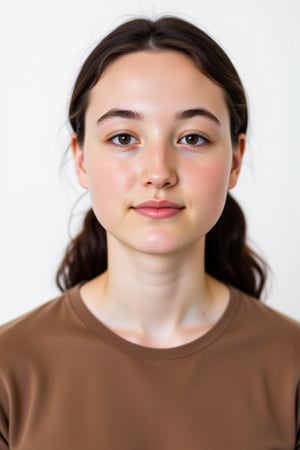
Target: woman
column 158, row 340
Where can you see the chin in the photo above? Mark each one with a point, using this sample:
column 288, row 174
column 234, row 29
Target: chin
column 162, row 244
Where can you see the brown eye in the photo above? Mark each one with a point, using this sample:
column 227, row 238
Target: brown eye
column 124, row 139
column 193, row 139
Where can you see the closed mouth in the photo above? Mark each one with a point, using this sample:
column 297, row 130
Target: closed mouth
column 158, row 209
column 158, row 204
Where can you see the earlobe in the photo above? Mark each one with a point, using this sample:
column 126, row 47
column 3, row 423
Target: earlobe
column 237, row 159
column 78, row 156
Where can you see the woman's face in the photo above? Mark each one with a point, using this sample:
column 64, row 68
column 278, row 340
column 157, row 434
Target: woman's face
column 157, row 130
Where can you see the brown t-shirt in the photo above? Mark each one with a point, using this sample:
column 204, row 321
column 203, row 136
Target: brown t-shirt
column 67, row 382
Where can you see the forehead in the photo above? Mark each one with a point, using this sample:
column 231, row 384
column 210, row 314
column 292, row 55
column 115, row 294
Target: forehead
column 155, row 80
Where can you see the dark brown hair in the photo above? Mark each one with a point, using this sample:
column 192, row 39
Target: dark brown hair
column 227, row 255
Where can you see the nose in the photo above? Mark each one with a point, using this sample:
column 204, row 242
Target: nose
column 158, row 168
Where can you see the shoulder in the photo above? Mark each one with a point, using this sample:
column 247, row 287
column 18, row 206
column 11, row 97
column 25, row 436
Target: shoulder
column 28, row 329
column 263, row 311
column 263, row 321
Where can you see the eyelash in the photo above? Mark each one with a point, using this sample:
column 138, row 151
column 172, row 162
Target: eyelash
column 116, row 140
column 122, row 144
column 194, row 135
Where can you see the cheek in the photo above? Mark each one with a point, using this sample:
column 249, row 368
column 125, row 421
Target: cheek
column 210, row 185
column 106, row 182
column 212, row 178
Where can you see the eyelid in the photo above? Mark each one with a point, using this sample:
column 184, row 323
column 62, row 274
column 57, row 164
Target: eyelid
column 196, row 134
column 123, row 133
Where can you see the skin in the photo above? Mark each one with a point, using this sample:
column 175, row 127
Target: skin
column 156, row 292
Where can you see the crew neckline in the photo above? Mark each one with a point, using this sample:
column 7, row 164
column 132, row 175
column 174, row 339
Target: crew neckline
column 111, row 338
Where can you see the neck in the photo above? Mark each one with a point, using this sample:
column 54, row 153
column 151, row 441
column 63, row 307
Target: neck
column 155, row 295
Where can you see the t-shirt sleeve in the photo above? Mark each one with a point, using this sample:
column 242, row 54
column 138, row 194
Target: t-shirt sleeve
column 3, row 430
column 297, row 400
column 3, row 443
column 298, row 418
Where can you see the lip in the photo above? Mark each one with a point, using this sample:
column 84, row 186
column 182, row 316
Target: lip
column 158, row 209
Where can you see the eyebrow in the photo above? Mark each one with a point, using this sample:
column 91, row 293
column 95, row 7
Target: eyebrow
column 186, row 114
column 190, row 113
column 124, row 113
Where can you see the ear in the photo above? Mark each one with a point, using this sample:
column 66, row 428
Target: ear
column 237, row 158
column 78, row 156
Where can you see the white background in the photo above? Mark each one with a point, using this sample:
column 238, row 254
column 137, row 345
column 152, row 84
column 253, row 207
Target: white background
column 42, row 45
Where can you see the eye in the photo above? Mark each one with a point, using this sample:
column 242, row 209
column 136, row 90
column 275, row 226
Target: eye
column 123, row 139
column 193, row 139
